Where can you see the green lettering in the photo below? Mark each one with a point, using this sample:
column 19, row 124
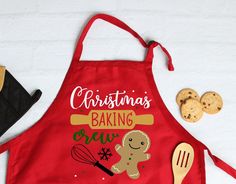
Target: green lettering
column 102, row 137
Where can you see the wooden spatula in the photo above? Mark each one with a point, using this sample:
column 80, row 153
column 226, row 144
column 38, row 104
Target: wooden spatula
column 182, row 161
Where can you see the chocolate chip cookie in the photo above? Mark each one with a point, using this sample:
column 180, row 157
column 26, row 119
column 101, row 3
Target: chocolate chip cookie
column 211, row 102
column 191, row 110
column 185, row 94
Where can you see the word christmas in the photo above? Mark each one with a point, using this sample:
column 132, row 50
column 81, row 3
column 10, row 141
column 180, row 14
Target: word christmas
column 84, row 97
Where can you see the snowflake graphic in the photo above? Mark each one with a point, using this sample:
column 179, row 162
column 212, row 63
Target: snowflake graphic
column 105, row 154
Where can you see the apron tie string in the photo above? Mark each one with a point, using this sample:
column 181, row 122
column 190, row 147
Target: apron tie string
column 221, row 164
column 152, row 44
column 170, row 64
column 4, row 147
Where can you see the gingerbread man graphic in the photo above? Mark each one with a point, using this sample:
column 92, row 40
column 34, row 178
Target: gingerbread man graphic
column 135, row 144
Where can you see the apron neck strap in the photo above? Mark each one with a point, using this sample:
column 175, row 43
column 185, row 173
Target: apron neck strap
column 107, row 18
column 150, row 54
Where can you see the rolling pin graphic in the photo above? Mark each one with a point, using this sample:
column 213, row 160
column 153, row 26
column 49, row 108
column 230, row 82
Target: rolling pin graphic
column 111, row 119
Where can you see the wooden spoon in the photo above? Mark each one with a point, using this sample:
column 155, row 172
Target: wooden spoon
column 182, row 161
column 2, row 76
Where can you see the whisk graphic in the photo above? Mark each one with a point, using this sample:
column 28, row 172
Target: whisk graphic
column 81, row 154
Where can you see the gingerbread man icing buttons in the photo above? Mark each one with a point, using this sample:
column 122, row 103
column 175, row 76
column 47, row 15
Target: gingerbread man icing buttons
column 135, row 144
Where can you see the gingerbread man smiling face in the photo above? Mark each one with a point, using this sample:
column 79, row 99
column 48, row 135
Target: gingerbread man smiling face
column 136, row 140
column 135, row 144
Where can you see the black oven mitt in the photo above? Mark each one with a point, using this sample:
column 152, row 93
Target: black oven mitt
column 15, row 101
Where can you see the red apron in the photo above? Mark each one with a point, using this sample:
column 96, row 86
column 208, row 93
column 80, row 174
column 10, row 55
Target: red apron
column 108, row 124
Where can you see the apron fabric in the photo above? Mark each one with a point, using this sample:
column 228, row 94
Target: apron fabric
column 108, row 124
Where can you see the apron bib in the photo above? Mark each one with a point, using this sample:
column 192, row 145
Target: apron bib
column 108, row 124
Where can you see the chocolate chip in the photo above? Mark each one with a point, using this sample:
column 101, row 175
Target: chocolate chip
column 181, row 101
column 219, row 108
column 209, row 104
column 189, row 92
column 204, row 103
column 214, row 94
column 189, row 116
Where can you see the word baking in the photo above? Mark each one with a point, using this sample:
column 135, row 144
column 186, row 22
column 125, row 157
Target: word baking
column 101, row 137
column 111, row 100
column 111, row 119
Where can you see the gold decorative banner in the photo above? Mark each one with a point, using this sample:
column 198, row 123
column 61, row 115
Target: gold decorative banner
column 111, row 119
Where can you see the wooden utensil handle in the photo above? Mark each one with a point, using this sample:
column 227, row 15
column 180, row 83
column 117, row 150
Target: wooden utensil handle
column 145, row 119
column 100, row 166
column 178, row 180
column 2, row 76
column 79, row 119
